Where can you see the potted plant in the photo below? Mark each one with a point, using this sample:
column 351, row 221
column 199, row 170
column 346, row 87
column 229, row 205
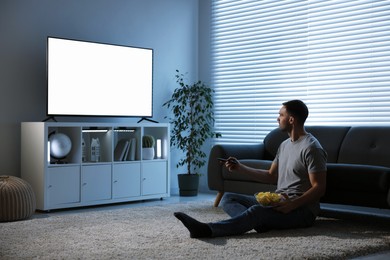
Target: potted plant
column 192, row 124
column 148, row 143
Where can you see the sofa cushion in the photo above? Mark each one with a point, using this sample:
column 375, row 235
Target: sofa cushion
column 330, row 138
column 366, row 145
column 356, row 177
column 247, row 187
column 356, row 198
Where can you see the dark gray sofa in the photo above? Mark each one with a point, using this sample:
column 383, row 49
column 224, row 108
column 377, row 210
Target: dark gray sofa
column 358, row 164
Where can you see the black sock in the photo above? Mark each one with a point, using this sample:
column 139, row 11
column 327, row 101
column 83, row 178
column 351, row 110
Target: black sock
column 197, row 229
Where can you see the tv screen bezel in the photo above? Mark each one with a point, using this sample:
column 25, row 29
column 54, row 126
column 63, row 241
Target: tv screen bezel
column 52, row 115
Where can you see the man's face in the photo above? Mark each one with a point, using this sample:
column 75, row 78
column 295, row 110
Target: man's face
column 284, row 120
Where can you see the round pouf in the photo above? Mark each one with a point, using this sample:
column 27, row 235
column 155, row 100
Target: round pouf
column 17, row 199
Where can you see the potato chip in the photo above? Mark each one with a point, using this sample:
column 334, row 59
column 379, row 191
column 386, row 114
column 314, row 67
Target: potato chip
column 268, row 198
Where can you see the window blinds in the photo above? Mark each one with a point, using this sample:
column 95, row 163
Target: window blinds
column 333, row 55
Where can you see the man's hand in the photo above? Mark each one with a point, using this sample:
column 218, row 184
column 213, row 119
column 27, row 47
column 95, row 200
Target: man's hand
column 286, row 205
column 232, row 164
column 260, row 175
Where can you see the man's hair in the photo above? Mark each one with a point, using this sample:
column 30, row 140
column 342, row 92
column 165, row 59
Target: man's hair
column 297, row 109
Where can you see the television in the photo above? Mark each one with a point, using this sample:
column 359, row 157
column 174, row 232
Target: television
column 98, row 79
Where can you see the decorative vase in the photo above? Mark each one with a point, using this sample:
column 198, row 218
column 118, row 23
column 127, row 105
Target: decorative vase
column 148, row 153
column 188, row 184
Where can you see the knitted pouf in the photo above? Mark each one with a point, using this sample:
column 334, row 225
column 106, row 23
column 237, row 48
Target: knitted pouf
column 17, row 199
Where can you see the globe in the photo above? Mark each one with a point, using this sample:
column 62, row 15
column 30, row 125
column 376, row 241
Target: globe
column 60, row 145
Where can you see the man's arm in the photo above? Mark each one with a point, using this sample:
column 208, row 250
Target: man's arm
column 317, row 190
column 265, row 176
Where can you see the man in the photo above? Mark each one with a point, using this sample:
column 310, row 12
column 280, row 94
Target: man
column 299, row 170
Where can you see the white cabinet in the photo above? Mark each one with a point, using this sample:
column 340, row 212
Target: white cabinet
column 118, row 175
column 153, row 178
column 63, row 185
column 96, row 182
column 126, row 180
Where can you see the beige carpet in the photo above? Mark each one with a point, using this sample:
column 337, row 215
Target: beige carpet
column 152, row 232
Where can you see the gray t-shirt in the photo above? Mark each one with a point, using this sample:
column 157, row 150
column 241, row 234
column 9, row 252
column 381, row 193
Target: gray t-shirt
column 295, row 161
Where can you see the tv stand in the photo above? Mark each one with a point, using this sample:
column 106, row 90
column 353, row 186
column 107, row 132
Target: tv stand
column 147, row 119
column 121, row 174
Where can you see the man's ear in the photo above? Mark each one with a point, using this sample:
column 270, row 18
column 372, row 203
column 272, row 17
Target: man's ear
column 291, row 119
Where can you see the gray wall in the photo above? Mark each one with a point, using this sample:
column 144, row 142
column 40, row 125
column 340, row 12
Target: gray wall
column 170, row 27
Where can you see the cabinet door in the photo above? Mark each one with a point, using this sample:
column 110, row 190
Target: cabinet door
column 154, row 178
column 63, row 185
column 126, row 180
column 96, row 182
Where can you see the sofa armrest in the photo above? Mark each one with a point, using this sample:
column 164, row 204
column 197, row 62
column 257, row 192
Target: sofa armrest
column 214, row 170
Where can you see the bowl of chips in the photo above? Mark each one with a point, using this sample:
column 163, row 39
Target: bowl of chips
column 268, row 199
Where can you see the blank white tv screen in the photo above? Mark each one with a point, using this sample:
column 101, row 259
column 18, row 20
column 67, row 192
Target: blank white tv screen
column 95, row 79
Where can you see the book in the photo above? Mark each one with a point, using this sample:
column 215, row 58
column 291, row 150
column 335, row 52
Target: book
column 120, row 150
column 125, row 156
column 132, row 149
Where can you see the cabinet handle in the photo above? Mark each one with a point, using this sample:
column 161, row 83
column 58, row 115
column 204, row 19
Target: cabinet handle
column 115, row 181
column 49, row 186
column 84, row 184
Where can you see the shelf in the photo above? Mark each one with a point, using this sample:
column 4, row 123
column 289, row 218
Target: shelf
column 118, row 174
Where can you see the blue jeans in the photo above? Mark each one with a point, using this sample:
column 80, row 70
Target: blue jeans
column 247, row 214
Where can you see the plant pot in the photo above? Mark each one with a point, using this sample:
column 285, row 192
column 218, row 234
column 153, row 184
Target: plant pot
column 188, row 184
column 148, row 153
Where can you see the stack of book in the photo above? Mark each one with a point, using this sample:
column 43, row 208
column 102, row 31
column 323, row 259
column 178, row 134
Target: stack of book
column 125, row 150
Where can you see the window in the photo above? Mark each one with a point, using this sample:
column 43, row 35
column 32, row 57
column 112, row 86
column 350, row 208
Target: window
column 333, row 55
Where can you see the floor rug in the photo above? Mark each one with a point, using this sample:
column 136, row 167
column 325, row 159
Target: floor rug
column 152, row 232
